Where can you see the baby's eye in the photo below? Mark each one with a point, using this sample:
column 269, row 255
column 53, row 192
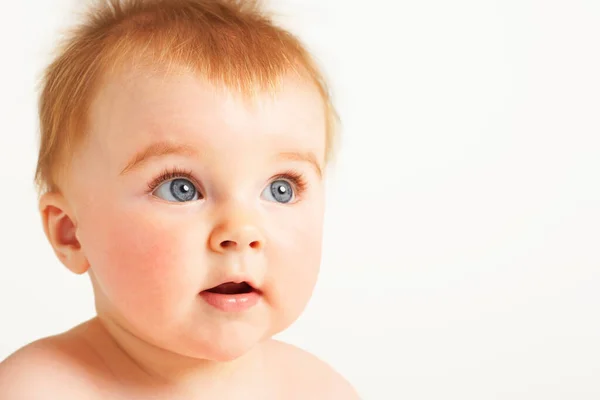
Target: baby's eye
column 179, row 190
column 280, row 190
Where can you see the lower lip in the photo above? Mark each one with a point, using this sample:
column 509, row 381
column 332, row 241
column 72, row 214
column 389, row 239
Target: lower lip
column 231, row 302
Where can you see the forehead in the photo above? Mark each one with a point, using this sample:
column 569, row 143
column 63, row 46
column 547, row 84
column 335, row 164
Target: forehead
column 136, row 108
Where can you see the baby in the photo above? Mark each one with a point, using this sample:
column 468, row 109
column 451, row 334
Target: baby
column 182, row 162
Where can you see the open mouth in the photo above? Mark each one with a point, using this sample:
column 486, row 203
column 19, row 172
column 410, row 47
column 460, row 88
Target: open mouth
column 232, row 297
column 232, row 288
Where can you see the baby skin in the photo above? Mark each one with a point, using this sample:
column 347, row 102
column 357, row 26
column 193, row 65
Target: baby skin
column 198, row 215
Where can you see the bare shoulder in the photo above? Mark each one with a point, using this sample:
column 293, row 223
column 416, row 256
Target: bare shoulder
column 54, row 365
column 306, row 375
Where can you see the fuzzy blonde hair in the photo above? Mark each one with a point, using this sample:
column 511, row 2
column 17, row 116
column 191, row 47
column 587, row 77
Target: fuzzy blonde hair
column 232, row 43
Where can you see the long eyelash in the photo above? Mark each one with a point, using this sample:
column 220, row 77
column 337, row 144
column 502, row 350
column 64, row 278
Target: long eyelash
column 296, row 178
column 169, row 174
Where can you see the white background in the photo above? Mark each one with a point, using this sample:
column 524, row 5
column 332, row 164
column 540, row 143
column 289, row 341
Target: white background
column 463, row 228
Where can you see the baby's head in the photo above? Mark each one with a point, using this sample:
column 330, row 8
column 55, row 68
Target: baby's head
column 184, row 145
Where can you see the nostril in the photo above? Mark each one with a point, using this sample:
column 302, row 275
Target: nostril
column 227, row 244
column 231, row 244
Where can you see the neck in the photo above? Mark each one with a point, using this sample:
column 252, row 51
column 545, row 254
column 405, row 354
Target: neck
column 141, row 363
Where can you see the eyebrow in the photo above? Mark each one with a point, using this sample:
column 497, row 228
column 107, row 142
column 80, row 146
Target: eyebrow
column 164, row 148
column 158, row 149
column 305, row 156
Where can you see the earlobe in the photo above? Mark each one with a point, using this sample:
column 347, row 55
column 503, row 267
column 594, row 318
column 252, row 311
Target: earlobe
column 60, row 228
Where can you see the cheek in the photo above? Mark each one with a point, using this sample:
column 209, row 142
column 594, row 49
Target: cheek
column 295, row 263
column 139, row 262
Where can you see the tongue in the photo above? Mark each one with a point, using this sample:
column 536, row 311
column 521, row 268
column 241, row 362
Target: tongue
column 231, row 288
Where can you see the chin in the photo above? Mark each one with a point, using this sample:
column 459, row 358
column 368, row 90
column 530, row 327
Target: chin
column 225, row 352
column 227, row 355
column 228, row 347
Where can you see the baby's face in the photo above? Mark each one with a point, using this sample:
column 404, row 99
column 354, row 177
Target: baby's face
column 241, row 201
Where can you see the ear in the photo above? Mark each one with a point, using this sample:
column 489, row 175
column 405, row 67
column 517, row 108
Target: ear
column 60, row 227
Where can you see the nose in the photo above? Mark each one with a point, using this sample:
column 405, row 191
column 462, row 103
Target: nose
column 239, row 233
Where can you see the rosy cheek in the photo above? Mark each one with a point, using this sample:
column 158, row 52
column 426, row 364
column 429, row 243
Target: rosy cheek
column 138, row 262
column 295, row 267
